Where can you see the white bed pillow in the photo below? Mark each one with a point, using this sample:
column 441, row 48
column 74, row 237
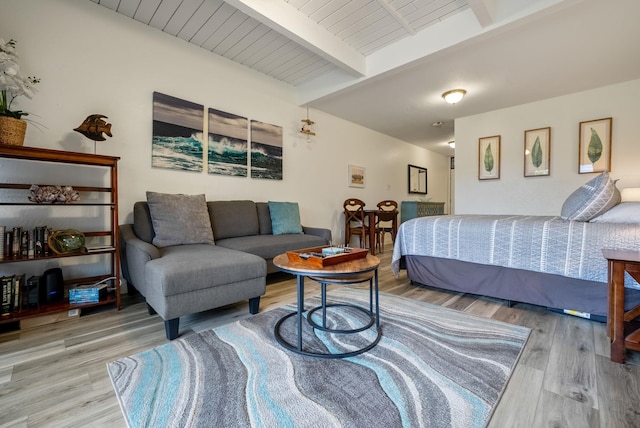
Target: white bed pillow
column 591, row 199
column 624, row 212
column 630, row 194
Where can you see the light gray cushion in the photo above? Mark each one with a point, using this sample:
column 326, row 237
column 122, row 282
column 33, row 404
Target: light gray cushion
column 179, row 219
column 624, row 212
column 285, row 217
column 269, row 246
column 591, row 199
column 187, row 268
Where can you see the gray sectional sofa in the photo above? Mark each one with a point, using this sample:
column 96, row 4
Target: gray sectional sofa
column 195, row 276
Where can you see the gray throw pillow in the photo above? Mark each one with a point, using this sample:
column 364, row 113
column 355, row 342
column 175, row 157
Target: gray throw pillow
column 179, row 219
column 593, row 198
column 285, row 218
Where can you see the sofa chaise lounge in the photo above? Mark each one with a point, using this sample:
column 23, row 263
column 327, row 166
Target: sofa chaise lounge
column 224, row 261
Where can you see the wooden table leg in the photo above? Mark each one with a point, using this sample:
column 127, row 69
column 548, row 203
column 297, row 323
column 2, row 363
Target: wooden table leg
column 372, row 232
column 616, row 321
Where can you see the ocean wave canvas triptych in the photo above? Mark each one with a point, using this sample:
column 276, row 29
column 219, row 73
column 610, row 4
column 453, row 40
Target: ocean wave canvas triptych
column 178, row 130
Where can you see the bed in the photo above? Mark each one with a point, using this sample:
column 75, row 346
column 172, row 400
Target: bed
column 551, row 261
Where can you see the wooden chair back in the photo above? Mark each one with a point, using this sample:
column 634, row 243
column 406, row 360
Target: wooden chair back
column 354, row 220
column 386, row 220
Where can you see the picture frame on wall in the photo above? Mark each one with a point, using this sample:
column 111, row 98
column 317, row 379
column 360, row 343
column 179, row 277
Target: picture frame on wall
column 537, row 152
column 266, row 150
column 357, row 176
column 489, row 158
column 594, row 146
column 177, row 134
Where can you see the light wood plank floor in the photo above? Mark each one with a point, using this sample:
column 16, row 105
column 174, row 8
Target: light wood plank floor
column 55, row 375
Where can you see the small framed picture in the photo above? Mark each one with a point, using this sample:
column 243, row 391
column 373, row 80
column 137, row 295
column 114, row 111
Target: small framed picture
column 594, row 146
column 537, row 152
column 357, row 176
column 489, row 158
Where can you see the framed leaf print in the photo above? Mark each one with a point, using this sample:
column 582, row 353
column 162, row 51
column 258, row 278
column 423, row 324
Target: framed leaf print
column 489, row 158
column 594, row 146
column 537, row 152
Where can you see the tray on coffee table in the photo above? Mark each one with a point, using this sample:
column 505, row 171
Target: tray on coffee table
column 313, row 256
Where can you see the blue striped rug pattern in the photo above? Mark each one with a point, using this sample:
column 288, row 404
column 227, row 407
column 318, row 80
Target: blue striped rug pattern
column 434, row 367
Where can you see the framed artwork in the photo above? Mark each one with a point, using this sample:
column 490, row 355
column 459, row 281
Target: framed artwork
column 357, row 176
column 177, row 133
column 594, row 146
column 537, row 152
column 227, row 148
column 266, row 151
column 489, row 158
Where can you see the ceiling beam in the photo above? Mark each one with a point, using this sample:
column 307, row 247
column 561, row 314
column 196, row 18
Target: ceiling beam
column 394, row 13
column 288, row 21
column 480, row 9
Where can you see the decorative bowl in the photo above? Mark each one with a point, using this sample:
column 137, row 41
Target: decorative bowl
column 66, row 241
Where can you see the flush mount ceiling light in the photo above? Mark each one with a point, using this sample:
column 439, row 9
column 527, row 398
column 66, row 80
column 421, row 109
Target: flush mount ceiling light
column 437, row 124
column 453, row 96
column 452, row 144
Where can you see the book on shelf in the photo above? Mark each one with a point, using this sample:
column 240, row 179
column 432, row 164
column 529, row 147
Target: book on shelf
column 8, row 244
column 18, row 292
column 2, row 231
column 31, row 246
column 17, row 237
column 45, row 241
column 39, row 237
column 23, row 243
column 97, row 248
column 7, row 287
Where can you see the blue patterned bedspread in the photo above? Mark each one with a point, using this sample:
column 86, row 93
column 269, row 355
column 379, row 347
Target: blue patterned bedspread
column 542, row 244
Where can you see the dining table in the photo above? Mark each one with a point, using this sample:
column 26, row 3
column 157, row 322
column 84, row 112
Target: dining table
column 373, row 216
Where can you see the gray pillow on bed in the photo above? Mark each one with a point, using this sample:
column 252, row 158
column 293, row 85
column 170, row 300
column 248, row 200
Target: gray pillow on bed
column 179, row 219
column 624, row 212
column 591, row 199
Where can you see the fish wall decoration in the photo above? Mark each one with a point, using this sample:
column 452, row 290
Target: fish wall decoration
column 94, row 126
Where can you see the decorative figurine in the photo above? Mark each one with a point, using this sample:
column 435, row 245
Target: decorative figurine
column 93, row 127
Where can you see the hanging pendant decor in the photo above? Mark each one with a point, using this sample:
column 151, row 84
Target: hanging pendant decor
column 306, row 127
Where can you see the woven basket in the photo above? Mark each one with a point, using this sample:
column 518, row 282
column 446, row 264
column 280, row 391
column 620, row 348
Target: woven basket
column 12, row 131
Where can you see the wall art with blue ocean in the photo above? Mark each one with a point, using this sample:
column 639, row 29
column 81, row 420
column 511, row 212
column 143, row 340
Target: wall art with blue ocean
column 177, row 133
column 227, row 145
column 266, row 151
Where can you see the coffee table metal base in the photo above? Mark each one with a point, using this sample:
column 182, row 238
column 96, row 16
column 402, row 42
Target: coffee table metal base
column 374, row 318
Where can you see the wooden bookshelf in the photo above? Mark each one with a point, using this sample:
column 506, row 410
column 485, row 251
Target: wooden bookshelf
column 64, row 159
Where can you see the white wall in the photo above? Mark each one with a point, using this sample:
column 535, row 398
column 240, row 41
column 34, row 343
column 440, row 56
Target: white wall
column 92, row 60
column 515, row 194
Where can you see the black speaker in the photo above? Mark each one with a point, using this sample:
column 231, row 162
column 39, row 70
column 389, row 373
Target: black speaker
column 51, row 286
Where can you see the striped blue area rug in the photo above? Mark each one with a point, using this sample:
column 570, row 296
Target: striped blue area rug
column 433, row 367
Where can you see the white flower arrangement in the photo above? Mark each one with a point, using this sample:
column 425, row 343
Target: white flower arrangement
column 12, row 82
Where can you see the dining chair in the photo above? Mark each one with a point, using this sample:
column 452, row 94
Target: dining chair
column 386, row 221
column 355, row 221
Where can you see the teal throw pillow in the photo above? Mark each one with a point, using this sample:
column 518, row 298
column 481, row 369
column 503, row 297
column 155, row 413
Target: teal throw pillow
column 285, row 217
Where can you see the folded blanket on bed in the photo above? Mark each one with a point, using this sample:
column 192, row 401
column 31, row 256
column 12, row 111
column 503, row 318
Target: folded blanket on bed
column 537, row 243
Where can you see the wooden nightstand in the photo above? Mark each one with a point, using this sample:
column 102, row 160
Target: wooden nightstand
column 617, row 319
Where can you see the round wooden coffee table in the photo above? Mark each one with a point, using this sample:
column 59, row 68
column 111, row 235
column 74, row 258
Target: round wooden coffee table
column 350, row 272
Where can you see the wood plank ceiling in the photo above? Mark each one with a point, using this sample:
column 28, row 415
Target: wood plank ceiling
column 363, row 26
